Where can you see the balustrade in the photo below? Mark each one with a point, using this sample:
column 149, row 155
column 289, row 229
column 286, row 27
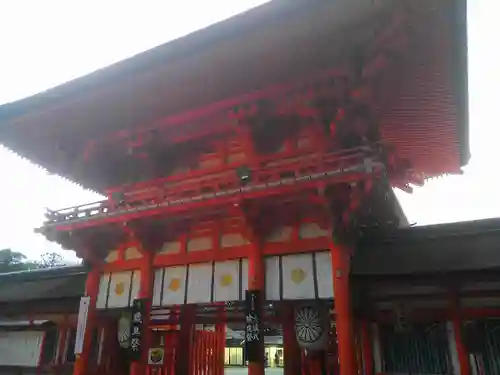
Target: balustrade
column 269, row 178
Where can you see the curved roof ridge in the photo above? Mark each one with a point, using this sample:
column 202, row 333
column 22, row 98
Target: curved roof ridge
column 43, row 273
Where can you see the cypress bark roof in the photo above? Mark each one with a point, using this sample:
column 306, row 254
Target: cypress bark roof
column 423, row 106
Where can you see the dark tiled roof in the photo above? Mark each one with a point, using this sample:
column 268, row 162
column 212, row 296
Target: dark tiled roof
column 463, row 246
column 41, row 273
column 64, row 282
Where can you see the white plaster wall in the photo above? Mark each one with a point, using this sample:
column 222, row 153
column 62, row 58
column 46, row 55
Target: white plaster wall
column 20, row 348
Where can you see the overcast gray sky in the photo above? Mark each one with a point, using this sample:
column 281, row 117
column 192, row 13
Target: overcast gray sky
column 48, row 42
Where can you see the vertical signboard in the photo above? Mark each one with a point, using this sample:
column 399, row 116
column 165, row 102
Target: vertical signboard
column 136, row 328
column 253, row 329
column 81, row 324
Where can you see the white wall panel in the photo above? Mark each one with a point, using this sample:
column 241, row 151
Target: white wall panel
column 200, row 283
column 206, row 283
column 119, row 289
column 157, row 286
column 298, row 276
column 272, row 278
column 244, row 277
column 136, row 285
column 324, row 275
column 102, row 295
column 226, row 281
column 20, row 348
column 174, row 286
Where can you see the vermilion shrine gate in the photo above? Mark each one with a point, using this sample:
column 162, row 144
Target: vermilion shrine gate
column 240, row 165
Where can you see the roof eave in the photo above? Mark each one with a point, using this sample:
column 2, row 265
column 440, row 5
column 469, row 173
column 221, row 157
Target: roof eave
column 144, row 61
column 462, row 78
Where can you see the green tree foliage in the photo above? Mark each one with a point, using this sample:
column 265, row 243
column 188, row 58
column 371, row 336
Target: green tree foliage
column 50, row 260
column 11, row 261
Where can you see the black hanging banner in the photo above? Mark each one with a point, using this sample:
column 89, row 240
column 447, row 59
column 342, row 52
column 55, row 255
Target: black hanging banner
column 253, row 329
column 136, row 327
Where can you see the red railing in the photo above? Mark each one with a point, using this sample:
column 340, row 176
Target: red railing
column 273, row 177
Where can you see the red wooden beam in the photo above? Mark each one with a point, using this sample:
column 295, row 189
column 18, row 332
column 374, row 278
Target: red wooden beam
column 226, row 106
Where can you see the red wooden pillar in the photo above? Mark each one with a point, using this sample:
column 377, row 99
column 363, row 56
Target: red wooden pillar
column 185, row 363
column 256, row 283
column 463, row 355
column 91, row 290
column 291, row 348
column 343, row 312
column 146, row 292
